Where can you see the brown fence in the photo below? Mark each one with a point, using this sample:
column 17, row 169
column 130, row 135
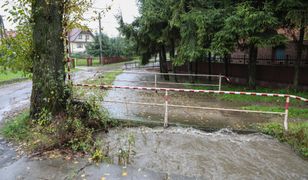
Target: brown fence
column 267, row 75
column 111, row 60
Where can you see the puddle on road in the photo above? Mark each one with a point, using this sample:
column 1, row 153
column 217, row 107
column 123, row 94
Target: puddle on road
column 219, row 155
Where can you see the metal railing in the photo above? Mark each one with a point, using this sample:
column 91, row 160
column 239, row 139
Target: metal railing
column 156, row 82
column 167, row 98
column 137, row 65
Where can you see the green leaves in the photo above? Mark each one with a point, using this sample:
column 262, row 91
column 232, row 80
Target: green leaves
column 111, row 47
column 16, row 51
column 248, row 25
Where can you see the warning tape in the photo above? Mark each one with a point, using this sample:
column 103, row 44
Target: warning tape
column 192, row 90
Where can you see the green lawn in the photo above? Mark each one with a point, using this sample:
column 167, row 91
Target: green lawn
column 260, row 99
column 242, row 98
column 9, row 76
column 294, row 112
column 298, row 108
column 83, row 62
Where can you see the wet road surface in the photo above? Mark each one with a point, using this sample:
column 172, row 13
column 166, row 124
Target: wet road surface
column 16, row 96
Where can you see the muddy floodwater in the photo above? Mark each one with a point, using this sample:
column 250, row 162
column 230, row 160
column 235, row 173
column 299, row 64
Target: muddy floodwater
column 183, row 116
column 218, row 155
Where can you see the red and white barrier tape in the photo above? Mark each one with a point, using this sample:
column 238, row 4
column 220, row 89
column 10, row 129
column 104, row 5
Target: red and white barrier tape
column 68, row 59
column 173, row 74
column 194, row 91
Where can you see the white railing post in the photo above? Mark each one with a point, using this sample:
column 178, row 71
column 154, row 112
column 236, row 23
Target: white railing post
column 166, row 110
column 219, row 88
column 285, row 123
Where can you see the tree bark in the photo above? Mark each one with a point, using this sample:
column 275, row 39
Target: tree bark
column 48, row 89
column 210, row 65
column 172, row 57
column 189, row 68
column 226, row 63
column 164, row 62
column 298, row 57
column 160, row 62
column 252, row 65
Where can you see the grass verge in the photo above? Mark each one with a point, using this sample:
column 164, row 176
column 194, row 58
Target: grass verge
column 298, row 109
column 247, row 99
column 293, row 111
column 106, row 78
column 296, row 136
column 7, row 77
column 83, row 62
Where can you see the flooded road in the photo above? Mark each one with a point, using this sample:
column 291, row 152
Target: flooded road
column 219, row 155
column 187, row 116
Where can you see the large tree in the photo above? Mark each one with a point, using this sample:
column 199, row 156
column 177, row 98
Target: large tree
column 251, row 25
column 48, row 92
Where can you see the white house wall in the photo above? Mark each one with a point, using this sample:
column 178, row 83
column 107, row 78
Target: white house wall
column 79, row 44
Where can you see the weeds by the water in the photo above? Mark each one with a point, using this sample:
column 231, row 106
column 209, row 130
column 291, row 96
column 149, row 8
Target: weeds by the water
column 296, row 136
column 73, row 130
column 18, row 128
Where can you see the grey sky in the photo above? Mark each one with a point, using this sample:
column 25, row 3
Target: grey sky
column 127, row 7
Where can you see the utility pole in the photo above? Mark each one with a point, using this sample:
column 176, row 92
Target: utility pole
column 100, row 39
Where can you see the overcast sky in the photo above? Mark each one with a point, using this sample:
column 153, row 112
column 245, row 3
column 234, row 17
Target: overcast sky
column 127, row 7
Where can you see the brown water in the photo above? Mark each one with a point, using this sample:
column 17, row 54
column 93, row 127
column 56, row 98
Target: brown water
column 219, row 155
column 187, row 116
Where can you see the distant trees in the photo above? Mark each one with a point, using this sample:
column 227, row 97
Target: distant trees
column 116, row 46
column 197, row 30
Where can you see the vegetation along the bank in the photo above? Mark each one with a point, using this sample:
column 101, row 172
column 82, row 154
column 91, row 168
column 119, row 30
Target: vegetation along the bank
column 296, row 136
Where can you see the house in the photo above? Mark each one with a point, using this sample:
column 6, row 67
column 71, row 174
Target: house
column 78, row 40
column 11, row 33
column 277, row 55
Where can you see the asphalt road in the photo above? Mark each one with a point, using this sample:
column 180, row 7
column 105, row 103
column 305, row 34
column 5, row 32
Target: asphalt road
column 17, row 96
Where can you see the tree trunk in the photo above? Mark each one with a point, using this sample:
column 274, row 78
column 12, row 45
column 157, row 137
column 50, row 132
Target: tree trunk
column 298, row 57
column 164, row 62
column 196, row 70
column 252, row 65
column 210, row 65
column 160, row 62
column 226, row 63
column 172, row 56
column 48, row 89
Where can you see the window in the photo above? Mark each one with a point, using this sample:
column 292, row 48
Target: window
column 80, row 36
column 279, row 53
column 79, row 45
